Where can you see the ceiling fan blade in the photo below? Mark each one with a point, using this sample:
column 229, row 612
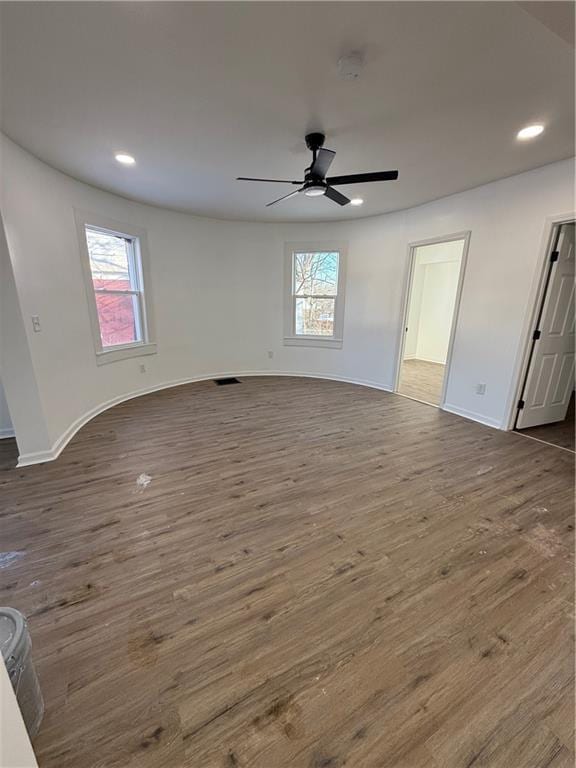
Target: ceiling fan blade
column 291, row 194
column 361, row 178
column 338, row 197
column 319, row 167
column 273, row 181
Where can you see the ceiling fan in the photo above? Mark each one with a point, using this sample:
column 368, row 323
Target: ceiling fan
column 316, row 183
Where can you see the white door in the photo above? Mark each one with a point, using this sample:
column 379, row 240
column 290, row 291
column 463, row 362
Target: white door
column 550, row 379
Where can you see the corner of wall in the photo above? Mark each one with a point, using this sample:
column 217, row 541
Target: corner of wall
column 18, row 375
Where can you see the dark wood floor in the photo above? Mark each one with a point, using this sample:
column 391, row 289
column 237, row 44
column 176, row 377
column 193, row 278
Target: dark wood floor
column 561, row 433
column 292, row 573
column 8, row 453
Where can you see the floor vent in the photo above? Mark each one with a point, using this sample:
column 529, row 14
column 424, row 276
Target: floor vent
column 221, row 382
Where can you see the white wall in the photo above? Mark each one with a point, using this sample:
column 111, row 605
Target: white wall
column 432, row 300
column 217, row 290
column 19, row 379
column 438, row 300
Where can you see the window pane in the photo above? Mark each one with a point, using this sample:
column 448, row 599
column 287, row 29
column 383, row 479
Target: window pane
column 109, row 260
column 118, row 319
column 316, row 273
column 314, row 317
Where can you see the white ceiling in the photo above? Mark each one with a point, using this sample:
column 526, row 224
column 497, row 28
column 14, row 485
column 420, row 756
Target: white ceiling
column 201, row 93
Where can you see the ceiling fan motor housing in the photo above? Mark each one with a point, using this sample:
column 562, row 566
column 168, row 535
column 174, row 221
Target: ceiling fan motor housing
column 314, row 141
column 314, row 185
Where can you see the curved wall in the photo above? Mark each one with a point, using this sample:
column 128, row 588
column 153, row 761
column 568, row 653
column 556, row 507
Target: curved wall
column 216, row 287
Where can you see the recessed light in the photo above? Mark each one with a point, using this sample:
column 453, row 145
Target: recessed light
column 124, row 159
column 356, row 201
column 530, row 132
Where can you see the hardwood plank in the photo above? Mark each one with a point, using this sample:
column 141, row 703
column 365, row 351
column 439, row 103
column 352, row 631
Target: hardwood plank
column 560, row 433
column 315, row 574
column 422, row 380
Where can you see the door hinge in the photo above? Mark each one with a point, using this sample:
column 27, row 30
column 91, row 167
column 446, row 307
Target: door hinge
column 536, row 335
column 520, row 404
column 554, row 256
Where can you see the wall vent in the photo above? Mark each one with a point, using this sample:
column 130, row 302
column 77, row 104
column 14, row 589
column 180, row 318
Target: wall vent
column 221, row 382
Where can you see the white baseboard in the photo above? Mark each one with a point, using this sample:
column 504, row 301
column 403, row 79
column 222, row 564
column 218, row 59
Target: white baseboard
column 489, row 422
column 27, row 459
column 40, row 457
column 344, row 379
column 427, row 360
column 6, row 432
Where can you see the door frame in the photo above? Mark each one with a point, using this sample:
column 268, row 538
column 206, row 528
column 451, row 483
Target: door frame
column 407, row 294
column 532, row 314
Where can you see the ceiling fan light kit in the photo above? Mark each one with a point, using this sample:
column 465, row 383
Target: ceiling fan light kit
column 315, row 190
column 316, row 183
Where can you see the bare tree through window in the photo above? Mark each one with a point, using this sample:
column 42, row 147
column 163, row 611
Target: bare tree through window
column 315, row 288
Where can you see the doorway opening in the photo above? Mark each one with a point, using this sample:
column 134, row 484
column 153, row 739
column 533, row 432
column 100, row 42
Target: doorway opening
column 545, row 409
column 434, row 287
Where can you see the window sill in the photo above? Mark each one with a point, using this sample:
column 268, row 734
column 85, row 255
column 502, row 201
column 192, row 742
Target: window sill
column 123, row 353
column 312, row 341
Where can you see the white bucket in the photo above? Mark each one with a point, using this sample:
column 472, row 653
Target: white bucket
column 16, row 647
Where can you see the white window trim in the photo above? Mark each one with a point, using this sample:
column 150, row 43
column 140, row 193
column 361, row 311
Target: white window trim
column 290, row 337
column 147, row 345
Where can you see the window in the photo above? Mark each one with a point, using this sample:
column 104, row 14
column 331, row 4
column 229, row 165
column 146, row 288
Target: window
column 117, row 286
column 314, row 295
column 115, row 282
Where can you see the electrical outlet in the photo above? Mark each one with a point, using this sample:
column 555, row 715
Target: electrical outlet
column 142, row 368
column 36, row 324
column 270, row 354
column 481, row 388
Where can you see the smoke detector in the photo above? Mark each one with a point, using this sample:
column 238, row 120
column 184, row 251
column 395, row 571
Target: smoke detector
column 350, row 66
